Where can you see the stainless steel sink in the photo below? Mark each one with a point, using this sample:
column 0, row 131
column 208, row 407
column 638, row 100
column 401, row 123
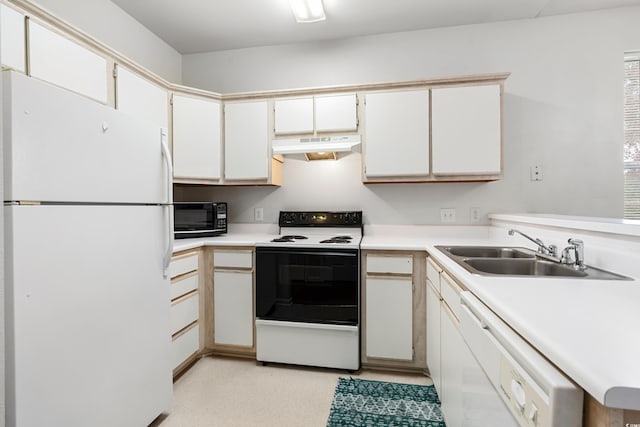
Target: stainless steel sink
column 488, row 252
column 522, row 267
column 520, row 262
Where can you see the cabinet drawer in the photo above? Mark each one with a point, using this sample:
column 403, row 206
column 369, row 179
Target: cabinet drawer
column 450, row 293
column 433, row 273
column 184, row 286
column 398, row 264
column 183, row 313
column 185, row 345
column 183, row 264
column 233, row 258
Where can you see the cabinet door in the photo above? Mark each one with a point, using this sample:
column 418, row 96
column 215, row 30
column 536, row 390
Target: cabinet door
column 396, row 139
column 140, row 98
column 294, row 115
column 433, row 336
column 452, row 348
column 58, row 60
column 466, row 130
column 233, row 308
column 246, row 143
column 12, row 46
column 196, row 138
column 389, row 317
column 336, row 113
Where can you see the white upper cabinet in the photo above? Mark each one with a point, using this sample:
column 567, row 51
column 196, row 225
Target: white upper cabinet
column 294, row 115
column 196, row 138
column 336, row 113
column 396, row 138
column 246, row 141
column 12, row 45
column 140, row 98
column 467, row 130
column 58, row 60
column 322, row 113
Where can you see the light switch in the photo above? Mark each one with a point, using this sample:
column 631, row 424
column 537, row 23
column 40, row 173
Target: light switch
column 258, row 214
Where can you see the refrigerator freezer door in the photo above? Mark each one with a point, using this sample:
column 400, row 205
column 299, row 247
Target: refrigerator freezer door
column 87, row 327
column 61, row 146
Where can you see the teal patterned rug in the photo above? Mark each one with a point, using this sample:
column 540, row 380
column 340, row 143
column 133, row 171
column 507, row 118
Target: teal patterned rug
column 382, row 404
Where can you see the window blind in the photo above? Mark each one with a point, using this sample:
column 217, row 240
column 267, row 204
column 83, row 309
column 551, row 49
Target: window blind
column 632, row 138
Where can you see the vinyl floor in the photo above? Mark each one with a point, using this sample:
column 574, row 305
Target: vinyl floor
column 228, row 392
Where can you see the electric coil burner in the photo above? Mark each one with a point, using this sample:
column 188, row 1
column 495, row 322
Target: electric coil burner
column 308, row 291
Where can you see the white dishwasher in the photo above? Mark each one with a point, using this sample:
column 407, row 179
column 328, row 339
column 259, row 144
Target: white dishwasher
column 536, row 392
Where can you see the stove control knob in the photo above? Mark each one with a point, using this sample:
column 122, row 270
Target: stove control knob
column 287, row 218
column 302, row 218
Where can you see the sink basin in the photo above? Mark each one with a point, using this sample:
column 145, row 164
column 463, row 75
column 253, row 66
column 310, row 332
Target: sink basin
column 488, row 252
column 519, row 262
column 523, row 267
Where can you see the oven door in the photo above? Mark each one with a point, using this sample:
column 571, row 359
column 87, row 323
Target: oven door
column 308, row 285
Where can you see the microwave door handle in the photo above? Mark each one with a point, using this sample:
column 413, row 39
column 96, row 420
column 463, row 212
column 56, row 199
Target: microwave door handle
column 169, row 203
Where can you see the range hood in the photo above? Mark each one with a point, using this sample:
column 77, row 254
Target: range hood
column 311, row 146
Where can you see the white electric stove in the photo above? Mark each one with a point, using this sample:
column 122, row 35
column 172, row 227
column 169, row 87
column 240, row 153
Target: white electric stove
column 308, row 291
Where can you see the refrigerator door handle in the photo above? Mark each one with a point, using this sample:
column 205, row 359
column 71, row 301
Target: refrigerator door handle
column 169, row 203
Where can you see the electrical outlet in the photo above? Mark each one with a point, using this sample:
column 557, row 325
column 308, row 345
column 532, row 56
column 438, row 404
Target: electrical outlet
column 536, row 173
column 448, row 215
column 474, row 215
column 258, row 214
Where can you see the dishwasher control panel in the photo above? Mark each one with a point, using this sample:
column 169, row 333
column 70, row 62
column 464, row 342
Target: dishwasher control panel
column 526, row 401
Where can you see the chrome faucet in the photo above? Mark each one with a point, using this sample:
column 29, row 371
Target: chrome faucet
column 551, row 250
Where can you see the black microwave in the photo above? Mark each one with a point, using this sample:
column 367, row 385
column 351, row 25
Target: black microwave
column 199, row 219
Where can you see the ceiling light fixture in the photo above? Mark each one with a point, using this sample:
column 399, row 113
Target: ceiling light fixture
column 307, row 11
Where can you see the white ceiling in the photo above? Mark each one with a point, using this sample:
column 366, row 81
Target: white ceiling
column 192, row 26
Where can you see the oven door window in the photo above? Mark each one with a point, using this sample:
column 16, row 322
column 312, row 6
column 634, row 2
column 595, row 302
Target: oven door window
column 307, row 285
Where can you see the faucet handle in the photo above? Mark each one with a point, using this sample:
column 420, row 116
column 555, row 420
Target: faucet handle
column 578, row 246
column 568, row 255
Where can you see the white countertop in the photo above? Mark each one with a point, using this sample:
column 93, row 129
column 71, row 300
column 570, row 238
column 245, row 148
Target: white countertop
column 587, row 328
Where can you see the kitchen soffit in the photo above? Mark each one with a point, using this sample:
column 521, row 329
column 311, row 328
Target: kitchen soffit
column 192, row 26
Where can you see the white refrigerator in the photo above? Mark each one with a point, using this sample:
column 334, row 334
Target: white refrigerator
column 88, row 238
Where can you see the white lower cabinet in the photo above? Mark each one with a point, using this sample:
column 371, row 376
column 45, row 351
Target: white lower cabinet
column 185, row 308
column 185, row 345
column 184, row 312
column 389, row 318
column 393, row 313
column 233, row 308
column 233, row 313
column 433, row 336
